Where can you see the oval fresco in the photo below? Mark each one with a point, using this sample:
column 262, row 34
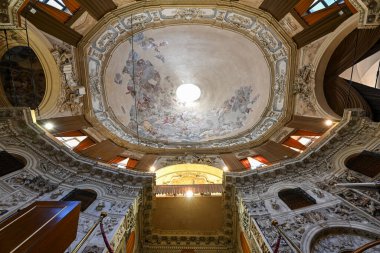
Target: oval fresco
column 230, row 70
column 239, row 61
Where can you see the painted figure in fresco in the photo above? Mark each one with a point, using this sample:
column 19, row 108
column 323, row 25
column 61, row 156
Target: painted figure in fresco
column 156, row 106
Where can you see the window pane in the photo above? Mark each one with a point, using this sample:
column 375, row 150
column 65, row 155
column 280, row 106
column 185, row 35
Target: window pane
column 124, row 162
column 72, row 143
column 81, row 138
column 254, row 163
column 317, row 7
column 330, row 2
column 305, row 141
column 55, row 4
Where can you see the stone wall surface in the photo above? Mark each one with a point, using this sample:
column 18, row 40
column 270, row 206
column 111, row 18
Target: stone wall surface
column 352, row 215
column 341, row 219
column 52, row 171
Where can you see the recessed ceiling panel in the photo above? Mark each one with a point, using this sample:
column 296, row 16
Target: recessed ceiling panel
column 228, row 70
column 203, row 78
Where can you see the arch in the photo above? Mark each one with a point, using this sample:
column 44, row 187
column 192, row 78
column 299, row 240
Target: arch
column 322, row 59
column 10, row 163
column 296, row 198
column 276, row 188
column 24, row 82
column 314, row 233
column 366, row 163
column 85, row 196
column 339, row 166
column 41, row 45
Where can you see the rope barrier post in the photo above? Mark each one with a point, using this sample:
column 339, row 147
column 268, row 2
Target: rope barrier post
column 104, row 214
column 84, row 239
column 285, row 237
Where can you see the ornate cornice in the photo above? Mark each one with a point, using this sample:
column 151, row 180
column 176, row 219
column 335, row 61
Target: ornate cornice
column 20, row 124
column 369, row 12
column 9, row 13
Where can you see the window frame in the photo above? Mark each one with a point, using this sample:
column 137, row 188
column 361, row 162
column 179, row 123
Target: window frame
column 323, row 2
column 64, row 8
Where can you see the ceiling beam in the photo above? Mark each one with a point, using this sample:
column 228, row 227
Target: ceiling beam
column 278, row 9
column 97, row 8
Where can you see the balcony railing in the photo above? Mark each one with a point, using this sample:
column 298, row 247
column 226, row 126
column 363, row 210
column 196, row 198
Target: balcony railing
column 201, row 189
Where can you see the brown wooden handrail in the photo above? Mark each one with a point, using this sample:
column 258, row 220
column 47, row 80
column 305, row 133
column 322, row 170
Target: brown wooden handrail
column 367, row 246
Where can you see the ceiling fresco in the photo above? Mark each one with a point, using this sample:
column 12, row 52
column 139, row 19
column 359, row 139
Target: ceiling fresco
column 230, row 70
column 202, row 46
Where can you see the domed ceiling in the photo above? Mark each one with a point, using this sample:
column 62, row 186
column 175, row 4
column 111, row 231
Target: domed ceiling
column 230, row 71
column 239, row 67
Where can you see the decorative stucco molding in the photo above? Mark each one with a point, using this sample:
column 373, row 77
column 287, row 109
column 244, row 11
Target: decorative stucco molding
column 8, row 13
column 252, row 24
column 52, row 171
column 369, row 12
column 316, row 173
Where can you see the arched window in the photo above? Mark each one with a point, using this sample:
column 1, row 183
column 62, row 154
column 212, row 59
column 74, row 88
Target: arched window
column 296, row 198
column 10, row 163
column 85, row 196
column 366, row 163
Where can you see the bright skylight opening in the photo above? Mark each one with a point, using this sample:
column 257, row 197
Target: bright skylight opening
column 71, row 142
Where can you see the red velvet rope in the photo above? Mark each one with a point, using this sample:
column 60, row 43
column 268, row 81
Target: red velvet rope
column 105, row 238
column 277, row 244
